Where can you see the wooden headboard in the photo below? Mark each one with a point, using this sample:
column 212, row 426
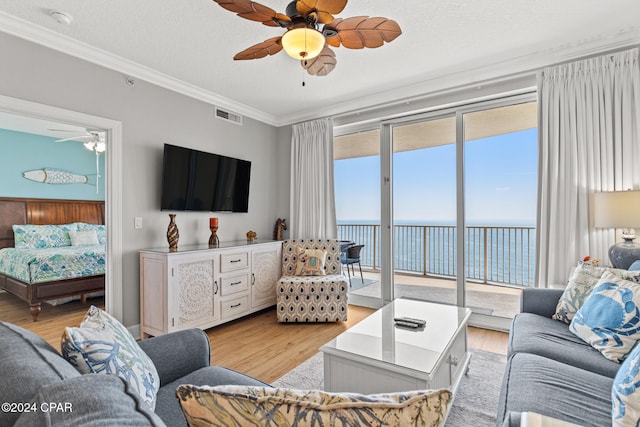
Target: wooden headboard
column 45, row 211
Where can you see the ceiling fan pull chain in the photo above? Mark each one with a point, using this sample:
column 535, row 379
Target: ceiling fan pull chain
column 303, row 83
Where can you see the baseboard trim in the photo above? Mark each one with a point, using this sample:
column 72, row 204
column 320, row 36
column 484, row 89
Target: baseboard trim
column 490, row 322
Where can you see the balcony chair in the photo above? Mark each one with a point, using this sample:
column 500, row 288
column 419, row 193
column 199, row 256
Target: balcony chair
column 351, row 256
column 311, row 289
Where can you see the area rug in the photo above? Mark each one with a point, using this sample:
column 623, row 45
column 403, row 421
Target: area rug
column 475, row 402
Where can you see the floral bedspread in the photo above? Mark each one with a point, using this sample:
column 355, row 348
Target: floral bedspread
column 45, row 265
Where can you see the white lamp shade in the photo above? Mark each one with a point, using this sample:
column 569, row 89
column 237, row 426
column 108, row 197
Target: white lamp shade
column 303, row 43
column 617, row 209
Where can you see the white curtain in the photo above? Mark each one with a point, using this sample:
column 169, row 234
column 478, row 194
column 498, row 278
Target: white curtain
column 313, row 206
column 589, row 118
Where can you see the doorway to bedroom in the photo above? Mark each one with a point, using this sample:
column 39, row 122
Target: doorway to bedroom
column 58, row 155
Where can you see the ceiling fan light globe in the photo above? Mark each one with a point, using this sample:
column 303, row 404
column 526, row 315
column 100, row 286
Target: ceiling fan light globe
column 303, row 43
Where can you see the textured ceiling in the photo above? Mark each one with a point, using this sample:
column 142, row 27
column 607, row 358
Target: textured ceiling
column 449, row 42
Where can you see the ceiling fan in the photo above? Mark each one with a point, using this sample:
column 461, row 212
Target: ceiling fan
column 92, row 140
column 311, row 30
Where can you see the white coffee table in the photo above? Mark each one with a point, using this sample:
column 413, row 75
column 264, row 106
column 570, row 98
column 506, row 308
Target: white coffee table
column 375, row 356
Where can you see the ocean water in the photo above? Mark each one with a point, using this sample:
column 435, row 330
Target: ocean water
column 431, row 249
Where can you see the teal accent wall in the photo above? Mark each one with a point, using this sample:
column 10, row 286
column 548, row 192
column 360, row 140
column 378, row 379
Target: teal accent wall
column 21, row 152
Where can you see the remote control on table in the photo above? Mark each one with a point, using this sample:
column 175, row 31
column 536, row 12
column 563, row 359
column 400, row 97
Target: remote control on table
column 420, row 322
column 407, row 324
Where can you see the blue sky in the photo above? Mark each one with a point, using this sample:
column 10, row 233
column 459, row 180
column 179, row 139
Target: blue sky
column 500, row 183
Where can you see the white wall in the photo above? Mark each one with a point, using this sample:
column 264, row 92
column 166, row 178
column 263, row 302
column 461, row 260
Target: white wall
column 152, row 116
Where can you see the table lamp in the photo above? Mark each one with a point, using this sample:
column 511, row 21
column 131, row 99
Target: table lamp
column 619, row 209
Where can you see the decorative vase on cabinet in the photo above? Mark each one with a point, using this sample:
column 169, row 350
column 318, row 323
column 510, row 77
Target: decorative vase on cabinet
column 172, row 233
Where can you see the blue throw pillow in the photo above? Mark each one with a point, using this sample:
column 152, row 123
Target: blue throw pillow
column 609, row 319
column 625, row 393
column 635, row 266
column 102, row 345
column 582, row 281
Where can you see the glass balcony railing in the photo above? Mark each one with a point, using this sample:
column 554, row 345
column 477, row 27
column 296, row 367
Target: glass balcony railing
column 493, row 254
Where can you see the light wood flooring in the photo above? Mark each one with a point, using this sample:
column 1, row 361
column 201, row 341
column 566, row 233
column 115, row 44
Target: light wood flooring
column 257, row 344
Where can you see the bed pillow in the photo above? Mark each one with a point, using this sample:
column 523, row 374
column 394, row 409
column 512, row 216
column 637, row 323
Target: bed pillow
column 609, row 320
column 625, row 393
column 30, row 236
column 84, row 237
column 100, row 229
column 581, row 283
column 102, row 345
column 205, row 405
column 311, row 262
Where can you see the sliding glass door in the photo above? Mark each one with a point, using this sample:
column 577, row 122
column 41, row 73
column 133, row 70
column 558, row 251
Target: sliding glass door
column 424, row 209
column 500, row 201
column 445, row 204
column 357, row 189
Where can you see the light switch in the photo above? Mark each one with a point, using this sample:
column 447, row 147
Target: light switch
column 138, row 222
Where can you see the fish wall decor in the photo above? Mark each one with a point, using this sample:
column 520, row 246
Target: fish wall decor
column 55, row 176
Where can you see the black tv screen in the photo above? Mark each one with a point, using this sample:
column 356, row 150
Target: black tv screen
column 194, row 180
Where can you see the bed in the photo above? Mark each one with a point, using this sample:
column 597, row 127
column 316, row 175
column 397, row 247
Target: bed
column 38, row 262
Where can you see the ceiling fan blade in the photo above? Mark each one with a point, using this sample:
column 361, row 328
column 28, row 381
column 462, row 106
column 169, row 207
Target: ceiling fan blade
column 361, row 31
column 76, row 138
column 322, row 64
column 268, row 47
column 324, row 8
column 255, row 12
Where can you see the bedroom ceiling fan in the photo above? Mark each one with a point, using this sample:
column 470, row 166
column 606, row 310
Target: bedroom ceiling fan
column 92, row 140
column 311, row 30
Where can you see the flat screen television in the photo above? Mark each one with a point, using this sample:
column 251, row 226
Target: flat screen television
column 194, row 180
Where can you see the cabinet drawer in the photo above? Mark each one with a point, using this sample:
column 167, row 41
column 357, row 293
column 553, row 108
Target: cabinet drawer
column 231, row 307
column 235, row 261
column 233, row 284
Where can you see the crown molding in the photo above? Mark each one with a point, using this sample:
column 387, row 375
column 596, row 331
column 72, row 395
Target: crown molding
column 27, row 30
column 494, row 69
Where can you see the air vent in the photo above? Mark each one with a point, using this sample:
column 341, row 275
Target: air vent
column 229, row 116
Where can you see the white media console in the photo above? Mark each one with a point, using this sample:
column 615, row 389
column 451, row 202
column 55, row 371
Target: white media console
column 200, row 286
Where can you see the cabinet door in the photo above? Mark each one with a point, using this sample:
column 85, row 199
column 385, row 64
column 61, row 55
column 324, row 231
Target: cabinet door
column 194, row 291
column 265, row 273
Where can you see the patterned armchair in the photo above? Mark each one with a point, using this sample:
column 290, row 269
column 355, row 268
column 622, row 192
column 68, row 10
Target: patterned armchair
column 312, row 298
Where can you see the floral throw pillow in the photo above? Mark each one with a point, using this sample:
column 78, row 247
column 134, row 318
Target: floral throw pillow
column 625, row 393
column 30, row 236
column 261, row 406
column 102, row 345
column 581, row 283
column 609, row 320
column 311, row 262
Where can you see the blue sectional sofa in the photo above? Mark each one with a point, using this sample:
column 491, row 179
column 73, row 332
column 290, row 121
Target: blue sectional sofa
column 550, row 371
